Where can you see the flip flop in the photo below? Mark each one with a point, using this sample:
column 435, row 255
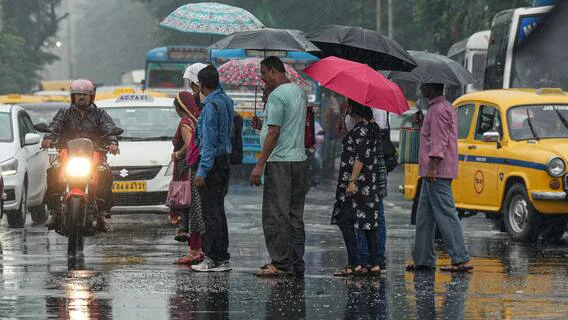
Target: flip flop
column 344, row 272
column 185, row 261
column 414, row 267
column 457, row 268
column 272, row 272
column 374, row 273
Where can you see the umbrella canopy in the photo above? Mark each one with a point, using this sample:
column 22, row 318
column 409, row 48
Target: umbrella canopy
column 211, row 18
column 435, row 68
column 358, row 82
column 361, row 45
column 267, row 39
column 246, row 72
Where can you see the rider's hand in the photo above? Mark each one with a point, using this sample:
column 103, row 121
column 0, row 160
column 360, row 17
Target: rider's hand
column 46, row 143
column 256, row 123
column 113, row 149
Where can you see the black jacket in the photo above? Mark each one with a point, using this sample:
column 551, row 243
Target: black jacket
column 69, row 124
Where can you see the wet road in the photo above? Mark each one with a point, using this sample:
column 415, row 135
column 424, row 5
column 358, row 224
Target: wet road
column 128, row 274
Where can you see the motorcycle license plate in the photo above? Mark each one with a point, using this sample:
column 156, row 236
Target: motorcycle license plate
column 134, row 186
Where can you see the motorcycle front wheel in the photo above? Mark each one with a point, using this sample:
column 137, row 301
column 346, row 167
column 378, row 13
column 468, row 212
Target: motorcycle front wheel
column 75, row 225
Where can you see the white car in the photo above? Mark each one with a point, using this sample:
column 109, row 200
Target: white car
column 143, row 169
column 24, row 166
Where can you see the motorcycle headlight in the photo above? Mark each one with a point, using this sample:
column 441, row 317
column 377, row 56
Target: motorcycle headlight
column 170, row 170
column 78, row 167
column 9, row 167
column 556, row 167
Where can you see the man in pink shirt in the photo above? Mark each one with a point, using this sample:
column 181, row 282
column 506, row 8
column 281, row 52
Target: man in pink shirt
column 438, row 166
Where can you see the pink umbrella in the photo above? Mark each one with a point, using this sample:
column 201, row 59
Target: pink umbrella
column 246, row 72
column 358, row 82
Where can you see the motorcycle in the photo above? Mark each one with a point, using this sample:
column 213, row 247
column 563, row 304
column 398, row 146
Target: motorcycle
column 82, row 161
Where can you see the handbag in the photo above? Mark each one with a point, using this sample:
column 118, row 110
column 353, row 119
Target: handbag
column 389, row 150
column 179, row 195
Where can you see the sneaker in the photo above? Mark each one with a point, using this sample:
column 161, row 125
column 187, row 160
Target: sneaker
column 224, row 266
column 207, row 265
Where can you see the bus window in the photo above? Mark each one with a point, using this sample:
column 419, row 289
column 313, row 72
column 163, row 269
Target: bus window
column 478, row 69
column 165, row 75
column 496, row 55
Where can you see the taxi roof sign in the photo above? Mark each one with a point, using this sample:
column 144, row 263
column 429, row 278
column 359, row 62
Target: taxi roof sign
column 546, row 91
column 134, row 97
column 121, row 91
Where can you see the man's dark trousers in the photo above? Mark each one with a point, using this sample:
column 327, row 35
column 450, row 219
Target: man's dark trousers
column 283, row 214
column 216, row 236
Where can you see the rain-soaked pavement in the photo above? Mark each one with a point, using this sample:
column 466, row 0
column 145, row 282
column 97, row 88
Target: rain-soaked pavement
column 128, row 274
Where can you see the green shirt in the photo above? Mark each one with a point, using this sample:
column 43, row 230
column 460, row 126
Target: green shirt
column 286, row 107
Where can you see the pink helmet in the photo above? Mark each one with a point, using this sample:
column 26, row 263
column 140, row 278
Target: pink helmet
column 83, row 86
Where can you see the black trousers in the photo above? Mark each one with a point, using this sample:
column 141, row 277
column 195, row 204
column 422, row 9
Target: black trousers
column 283, row 214
column 55, row 189
column 216, row 236
column 346, row 223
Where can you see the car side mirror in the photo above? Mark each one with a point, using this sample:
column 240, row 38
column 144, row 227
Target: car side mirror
column 31, row 139
column 115, row 131
column 42, row 127
column 492, row 136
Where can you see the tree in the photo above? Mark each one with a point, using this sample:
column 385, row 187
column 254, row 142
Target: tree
column 448, row 21
column 27, row 25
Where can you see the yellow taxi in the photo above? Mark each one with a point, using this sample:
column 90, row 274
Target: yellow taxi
column 513, row 150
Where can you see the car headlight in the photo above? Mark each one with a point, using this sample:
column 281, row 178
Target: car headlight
column 78, row 167
column 556, row 167
column 170, row 170
column 9, row 167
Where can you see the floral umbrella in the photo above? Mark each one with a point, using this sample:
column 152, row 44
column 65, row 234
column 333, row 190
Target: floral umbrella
column 246, row 72
column 211, row 18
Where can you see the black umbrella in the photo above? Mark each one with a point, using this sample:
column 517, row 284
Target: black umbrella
column 435, row 68
column 361, row 45
column 267, row 39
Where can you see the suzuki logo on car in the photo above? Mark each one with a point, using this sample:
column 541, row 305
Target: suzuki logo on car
column 123, row 173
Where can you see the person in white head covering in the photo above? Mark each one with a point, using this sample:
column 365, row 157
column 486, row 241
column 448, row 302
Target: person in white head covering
column 190, row 77
column 191, row 82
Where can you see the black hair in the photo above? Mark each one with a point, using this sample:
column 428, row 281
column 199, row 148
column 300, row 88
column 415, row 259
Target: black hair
column 209, row 77
column 273, row 63
column 360, row 110
column 438, row 87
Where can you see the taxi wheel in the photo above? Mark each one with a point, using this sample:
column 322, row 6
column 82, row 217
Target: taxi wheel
column 521, row 219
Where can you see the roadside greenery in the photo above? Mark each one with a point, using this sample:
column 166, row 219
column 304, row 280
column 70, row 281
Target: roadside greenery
column 418, row 24
column 26, row 26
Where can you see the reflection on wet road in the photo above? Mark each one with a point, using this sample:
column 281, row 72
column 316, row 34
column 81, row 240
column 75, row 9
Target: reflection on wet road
column 128, row 274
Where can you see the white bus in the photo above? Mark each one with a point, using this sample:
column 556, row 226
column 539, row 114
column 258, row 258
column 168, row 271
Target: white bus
column 505, row 69
column 471, row 53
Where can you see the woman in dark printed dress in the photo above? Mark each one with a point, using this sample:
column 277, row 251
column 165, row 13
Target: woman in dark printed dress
column 360, row 186
column 186, row 159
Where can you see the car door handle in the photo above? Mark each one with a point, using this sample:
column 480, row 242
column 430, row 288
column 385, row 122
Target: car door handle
column 472, row 147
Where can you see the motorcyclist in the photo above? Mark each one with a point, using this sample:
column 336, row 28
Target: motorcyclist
column 82, row 119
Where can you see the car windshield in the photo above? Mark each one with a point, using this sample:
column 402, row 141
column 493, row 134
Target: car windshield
column 42, row 113
column 5, row 127
column 145, row 123
column 538, row 122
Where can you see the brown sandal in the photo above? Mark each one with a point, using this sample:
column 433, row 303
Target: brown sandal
column 271, row 271
column 344, row 272
column 375, row 271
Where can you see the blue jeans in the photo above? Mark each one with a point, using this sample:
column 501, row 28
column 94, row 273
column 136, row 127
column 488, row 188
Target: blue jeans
column 437, row 208
column 362, row 247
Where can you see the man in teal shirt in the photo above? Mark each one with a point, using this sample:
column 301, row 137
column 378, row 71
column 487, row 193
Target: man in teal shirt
column 283, row 160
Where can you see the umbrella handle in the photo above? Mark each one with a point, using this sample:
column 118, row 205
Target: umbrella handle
column 255, row 90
